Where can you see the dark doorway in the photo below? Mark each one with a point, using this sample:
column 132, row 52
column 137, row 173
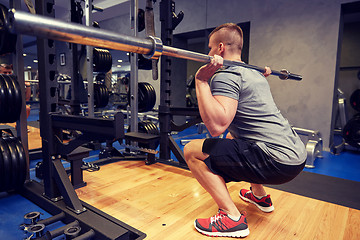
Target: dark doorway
column 348, row 69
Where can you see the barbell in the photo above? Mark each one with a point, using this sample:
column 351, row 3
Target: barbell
column 19, row 22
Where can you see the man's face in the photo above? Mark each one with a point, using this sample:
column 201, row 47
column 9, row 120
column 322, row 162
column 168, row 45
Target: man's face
column 213, row 46
column 5, row 70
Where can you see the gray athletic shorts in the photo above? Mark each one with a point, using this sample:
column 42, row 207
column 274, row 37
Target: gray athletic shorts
column 239, row 160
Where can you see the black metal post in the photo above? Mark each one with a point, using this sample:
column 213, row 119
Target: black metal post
column 48, row 99
column 165, row 78
column 75, row 81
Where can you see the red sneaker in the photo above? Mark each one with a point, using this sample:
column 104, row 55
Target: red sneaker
column 221, row 225
column 264, row 203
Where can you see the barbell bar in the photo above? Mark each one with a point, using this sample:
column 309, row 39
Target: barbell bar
column 35, row 25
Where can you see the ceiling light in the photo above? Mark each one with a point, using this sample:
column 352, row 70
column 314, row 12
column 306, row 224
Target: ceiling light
column 120, row 60
column 35, row 61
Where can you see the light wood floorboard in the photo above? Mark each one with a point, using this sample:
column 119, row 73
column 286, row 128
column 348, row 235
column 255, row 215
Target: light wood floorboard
column 34, row 140
column 163, row 202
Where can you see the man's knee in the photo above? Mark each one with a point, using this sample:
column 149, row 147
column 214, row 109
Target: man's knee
column 193, row 150
column 188, row 149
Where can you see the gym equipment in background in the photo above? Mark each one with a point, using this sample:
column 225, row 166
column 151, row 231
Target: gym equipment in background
column 314, row 145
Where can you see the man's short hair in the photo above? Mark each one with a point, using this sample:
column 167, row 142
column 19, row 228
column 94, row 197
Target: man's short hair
column 232, row 27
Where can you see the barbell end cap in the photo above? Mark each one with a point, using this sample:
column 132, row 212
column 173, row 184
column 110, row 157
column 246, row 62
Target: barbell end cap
column 157, row 48
column 284, row 74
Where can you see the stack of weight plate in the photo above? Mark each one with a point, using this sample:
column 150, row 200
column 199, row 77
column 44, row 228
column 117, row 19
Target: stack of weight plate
column 102, row 60
column 146, row 97
column 148, row 127
column 12, row 164
column 101, row 95
column 10, row 99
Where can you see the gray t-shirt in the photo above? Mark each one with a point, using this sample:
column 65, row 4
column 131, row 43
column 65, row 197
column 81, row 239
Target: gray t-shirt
column 257, row 117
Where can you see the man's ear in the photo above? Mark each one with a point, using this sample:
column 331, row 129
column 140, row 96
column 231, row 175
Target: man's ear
column 221, row 47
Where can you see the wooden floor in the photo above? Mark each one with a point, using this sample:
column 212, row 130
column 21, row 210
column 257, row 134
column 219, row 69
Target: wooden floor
column 34, row 140
column 163, row 202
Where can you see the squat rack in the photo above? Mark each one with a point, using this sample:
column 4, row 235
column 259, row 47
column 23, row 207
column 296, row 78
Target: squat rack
column 59, row 195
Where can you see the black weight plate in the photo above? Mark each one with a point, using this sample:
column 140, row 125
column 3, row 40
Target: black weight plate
column 95, row 59
column 109, row 61
column 104, row 61
column 141, row 127
column 101, row 60
column 11, row 98
column 7, row 164
column 14, row 162
column 142, row 97
column 96, row 95
column 22, row 161
column 153, row 130
column 148, row 97
column 156, row 130
column 149, row 126
column 153, row 96
column 99, row 96
column 351, row 132
column 17, row 89
column 2, row 174
column 100, row 63
column 355, row 100
column 102, row 96
column 105, row 96
column 3, row 100
column 16, row 109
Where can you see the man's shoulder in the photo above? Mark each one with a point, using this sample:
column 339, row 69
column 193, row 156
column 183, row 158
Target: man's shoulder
column 230, row 70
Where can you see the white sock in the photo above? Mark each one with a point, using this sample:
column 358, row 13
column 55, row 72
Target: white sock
column 259, row 197
column 234, row 218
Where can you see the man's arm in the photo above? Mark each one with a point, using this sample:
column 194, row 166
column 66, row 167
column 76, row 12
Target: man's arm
column 217, row 112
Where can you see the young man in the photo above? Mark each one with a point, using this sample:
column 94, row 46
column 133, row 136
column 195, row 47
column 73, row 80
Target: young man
column 261, row 147
column 6, row 68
